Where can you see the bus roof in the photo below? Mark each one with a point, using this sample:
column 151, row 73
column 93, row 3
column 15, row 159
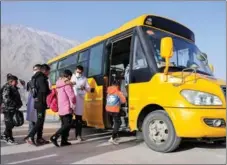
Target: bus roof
column 130, row 24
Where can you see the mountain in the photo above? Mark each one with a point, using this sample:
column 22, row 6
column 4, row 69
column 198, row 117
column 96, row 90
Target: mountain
column 22, row 47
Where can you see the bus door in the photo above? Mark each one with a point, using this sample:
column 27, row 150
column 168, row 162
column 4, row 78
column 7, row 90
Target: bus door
column 118, row 60
column 93, row 114
column 139, row 75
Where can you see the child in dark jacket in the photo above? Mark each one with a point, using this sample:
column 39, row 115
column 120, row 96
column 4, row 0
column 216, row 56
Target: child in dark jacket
column 1, row 104
column 12, row 102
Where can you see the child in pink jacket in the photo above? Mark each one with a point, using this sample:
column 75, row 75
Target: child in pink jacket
column 66, row 100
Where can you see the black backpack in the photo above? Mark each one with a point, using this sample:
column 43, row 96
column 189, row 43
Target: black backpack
column 1, row 91
column 18, row 118
column 33, row 87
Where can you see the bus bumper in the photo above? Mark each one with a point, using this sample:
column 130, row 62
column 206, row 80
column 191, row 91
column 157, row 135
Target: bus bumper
column 198, row 123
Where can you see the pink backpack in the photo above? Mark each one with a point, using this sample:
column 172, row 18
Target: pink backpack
column 52, row 101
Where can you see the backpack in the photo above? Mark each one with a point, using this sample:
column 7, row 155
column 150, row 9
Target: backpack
column 112, row 100
column 33, row 87
column 1, row 97
column 52, row 101
column 18, row 118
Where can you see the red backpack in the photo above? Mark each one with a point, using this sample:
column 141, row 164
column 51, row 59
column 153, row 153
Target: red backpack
column 52, row 101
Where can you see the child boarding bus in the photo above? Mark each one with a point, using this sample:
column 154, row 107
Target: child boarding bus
column 172, row 93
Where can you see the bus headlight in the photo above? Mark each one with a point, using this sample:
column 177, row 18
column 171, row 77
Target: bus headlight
column 200, row 98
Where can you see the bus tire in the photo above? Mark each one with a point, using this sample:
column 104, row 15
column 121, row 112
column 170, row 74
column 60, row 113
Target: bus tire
column 163, row 139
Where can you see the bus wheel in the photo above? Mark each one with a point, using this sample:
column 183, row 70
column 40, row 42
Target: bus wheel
column 159, row 133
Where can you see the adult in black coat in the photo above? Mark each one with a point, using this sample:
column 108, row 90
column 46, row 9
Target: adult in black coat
column 42, row 88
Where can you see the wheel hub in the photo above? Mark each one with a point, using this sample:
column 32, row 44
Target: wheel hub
column 158, row 131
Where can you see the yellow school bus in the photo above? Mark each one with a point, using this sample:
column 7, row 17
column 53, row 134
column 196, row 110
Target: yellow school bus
column 172, row 93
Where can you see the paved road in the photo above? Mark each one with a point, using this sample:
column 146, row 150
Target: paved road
column 96, row 149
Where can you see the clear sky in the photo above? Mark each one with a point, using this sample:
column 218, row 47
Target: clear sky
column 83, row 20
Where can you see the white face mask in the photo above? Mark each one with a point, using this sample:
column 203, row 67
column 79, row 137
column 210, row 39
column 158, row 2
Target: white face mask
column 34, row 72
column 78, row 75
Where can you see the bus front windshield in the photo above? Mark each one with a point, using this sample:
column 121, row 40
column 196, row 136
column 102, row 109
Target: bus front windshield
column 185, row 55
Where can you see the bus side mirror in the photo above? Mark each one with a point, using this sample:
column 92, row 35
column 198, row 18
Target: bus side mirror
column 167, row 47
column 202, row 57
column 211, row 68
column 166, row 51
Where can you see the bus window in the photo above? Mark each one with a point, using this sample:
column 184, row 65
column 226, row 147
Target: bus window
column 53, row 71
column 139, row 60
column 72, row 68
column 83, row 60
column 68, row 61
column 52, row 77
column 59, row 73
column 53, row 66
column 83, row 56
column 95, row 62
column 140, row 70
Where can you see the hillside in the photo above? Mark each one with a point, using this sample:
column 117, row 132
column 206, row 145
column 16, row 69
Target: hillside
column 22, row 47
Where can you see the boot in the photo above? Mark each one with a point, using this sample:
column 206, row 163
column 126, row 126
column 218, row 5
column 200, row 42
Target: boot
column 54, row 140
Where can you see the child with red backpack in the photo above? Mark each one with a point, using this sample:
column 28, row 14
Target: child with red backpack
column 62, row 99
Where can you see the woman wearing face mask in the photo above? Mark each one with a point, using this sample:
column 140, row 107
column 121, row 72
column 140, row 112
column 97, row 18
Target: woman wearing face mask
column 80, row 87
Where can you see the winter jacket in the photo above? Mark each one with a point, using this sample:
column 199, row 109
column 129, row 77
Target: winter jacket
column 42, row 90
column 66, row 97
column 114, row 99
column 11, row 98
